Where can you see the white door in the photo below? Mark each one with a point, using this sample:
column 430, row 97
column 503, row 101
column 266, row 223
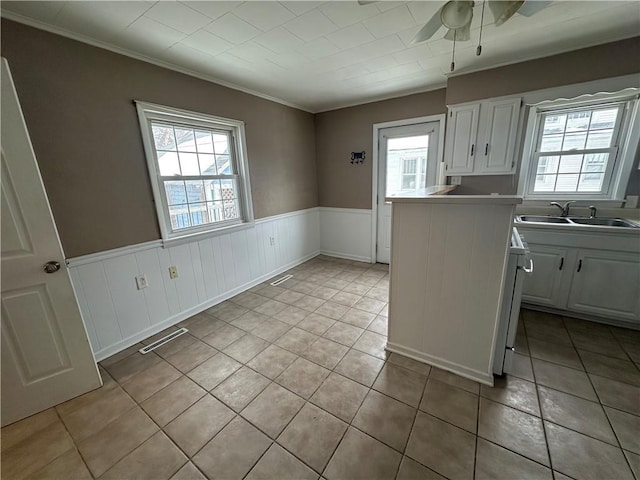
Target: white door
column 46, row 357
column 407, row 163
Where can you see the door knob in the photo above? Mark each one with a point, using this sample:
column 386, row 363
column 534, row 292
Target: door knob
column 51, row 267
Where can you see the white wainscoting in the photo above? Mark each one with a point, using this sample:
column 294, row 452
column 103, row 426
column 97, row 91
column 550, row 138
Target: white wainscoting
column 346, row 233
column 210, row 270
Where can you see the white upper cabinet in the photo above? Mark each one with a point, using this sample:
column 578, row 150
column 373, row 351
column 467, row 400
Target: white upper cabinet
column 481, row 137
column 461, row 130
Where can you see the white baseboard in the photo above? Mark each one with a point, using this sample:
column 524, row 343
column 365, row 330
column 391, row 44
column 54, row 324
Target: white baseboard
column 475, row 375
column 346, row 256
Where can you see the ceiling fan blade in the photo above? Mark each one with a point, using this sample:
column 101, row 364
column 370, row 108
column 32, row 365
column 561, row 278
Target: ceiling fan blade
column 531, row 8
column 366, row 2
column 504, row 10
column 429, row 29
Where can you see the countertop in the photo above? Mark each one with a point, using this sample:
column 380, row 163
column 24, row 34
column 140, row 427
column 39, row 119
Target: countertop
column 456, row 199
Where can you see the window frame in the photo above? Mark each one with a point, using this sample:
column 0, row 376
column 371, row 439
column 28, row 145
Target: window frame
column 148, row 113
column 622, row 152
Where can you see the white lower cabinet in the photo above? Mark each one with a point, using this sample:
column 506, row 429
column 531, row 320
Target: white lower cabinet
column 606, row 284
column 544, row 287
column 594, row 275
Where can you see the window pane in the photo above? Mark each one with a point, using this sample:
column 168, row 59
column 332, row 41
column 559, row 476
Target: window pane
column 578, row 121
column 198, row 213
column 548, row 165
column 574, row 141
column 230, row 209
column 596, row 162
column 204, row 141
column 168, row 163
column 179, row 215
column 175, row 192
column 570, row 164
column 228, row 189
column 545, row 183
column 185, row 139
column 221, row 143
column 195, row 191
column 591, row 182
column 604, row 118
column 212, row 190
column 600, row 139
column 551, row 143
column 567, row 183
column 554, row 124
column 163, row 137
column 189, row 163
column 224, row 165
column 207, row 163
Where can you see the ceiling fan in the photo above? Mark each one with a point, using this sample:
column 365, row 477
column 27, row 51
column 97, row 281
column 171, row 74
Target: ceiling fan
column 456, row 15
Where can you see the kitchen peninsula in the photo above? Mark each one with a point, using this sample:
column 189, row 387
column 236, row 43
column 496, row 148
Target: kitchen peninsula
column 448, row 261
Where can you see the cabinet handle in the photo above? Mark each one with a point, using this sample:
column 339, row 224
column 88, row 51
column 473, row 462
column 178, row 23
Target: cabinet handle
column 472, row 148
column 486, row 149
column 561, row 263
column 579, row 265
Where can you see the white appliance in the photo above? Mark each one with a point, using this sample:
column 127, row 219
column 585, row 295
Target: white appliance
column 519, row 264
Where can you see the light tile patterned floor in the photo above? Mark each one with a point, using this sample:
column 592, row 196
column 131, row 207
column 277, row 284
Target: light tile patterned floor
column 293, row 382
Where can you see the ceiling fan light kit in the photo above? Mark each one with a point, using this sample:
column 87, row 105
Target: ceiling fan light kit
column 456, row 14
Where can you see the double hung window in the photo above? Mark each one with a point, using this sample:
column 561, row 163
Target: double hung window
column 578, row 151
column 198, row 167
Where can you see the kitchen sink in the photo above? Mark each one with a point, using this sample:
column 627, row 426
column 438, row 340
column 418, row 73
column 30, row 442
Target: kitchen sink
column 606, row 222
column 542, row 219
column 601, row 222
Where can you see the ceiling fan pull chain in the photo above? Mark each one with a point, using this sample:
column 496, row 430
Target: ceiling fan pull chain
column 479, row 49
column 453, row 56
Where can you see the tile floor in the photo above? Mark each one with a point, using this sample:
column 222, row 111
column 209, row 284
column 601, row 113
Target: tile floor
column 293, row 382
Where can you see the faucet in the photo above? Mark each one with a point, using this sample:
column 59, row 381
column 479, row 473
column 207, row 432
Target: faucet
column 564, row 209
column 592, row 211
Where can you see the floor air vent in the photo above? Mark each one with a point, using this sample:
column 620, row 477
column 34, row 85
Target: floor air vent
column 281, row 280
column 164, row 340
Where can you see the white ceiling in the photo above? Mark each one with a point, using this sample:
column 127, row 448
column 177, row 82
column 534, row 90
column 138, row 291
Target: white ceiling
column 323, row 55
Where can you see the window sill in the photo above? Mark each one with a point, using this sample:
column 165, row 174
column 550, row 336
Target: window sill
column 196, row 236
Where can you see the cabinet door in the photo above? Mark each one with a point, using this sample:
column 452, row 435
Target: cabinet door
column 544, row 285
column 462, row 129
column 497, row 141
column 607, row 284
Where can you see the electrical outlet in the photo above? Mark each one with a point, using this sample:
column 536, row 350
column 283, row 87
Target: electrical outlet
column 141, row 281
column 173, row 272
column 272, row 240
column 456, row 180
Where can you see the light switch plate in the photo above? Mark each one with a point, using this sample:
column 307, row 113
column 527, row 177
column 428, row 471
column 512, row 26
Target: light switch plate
column 457, row 180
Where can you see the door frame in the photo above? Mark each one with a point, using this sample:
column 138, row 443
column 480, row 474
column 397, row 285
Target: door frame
column 440, row 118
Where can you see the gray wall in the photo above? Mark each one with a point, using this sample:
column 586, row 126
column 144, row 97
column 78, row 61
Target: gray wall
column 77, row 102
column 340, row 132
